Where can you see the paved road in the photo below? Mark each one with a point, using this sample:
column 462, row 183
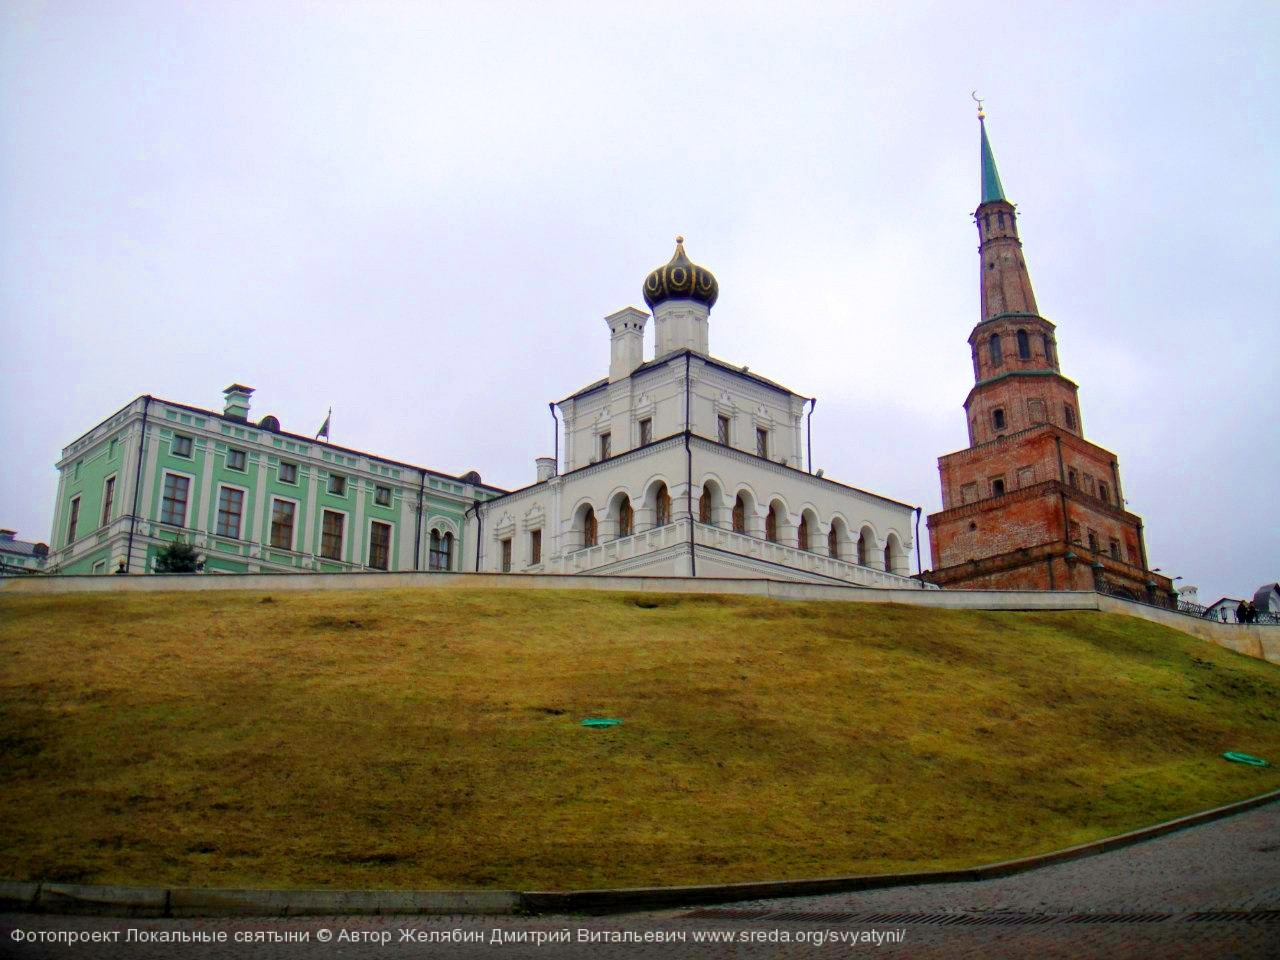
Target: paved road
column 1211, row 891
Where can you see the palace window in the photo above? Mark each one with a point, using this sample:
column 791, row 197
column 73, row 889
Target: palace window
column 997, row 418
column 337, row 485
column 862, row 549
column 626, row 519
column 331, row 535
column 1115, row 548
column 802, row 535
column 1088, row 484
column 739, row 515
column 288, row 472
column 1073, row 478
column 606, row 446
column 173, row 505
column 535, row 547
column 74, row 520
column 382, row 496
column 282, row 513
column 1104, row 493
column 762, row 442
column 230, row 510
column 589, row 528
column 833, row 542
column 181, row 446
column 1093, row 540
column 440, row 555
column 236, row 459
column 704, row 506
column 1024, row 345
column 108, row 500
column 379, row 545
column 771, row 526
column 506, row 555
column 997, row 354
column 646, row 431
column 1074, row 533
column 722, row 430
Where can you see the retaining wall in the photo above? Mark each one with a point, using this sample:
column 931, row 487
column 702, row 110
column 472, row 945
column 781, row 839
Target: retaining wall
column 1262, row 642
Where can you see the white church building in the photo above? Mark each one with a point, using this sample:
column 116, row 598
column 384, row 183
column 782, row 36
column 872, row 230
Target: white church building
column 686, row 465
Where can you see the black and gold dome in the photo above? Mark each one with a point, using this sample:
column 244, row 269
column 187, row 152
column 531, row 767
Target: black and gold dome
column 681, row 279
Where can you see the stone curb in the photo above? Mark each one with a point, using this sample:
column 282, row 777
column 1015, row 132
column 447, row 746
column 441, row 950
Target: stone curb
column 69, row 898
column 636, row 898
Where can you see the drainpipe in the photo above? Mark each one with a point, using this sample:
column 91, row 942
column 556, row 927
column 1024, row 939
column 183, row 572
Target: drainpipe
column 688, row 459
column 919, row 569
column 417, row 533
column 813, row 402
column 555, row 429
column 137, row 483
column 479, row 529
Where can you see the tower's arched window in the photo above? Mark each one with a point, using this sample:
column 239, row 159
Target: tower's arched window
column 997, row 418
column 1048, row 348
column 589, row 528
column 997, row 355
column 1024, row 345
column 739, row 515
column 1000, row 219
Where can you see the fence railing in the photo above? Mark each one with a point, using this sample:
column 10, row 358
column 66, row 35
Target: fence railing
column 1189, row 609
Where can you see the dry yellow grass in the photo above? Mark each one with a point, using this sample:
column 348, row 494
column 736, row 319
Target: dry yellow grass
column 431, row 739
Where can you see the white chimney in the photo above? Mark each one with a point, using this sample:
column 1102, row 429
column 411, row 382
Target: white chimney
column 626, row 328
column 546, row 468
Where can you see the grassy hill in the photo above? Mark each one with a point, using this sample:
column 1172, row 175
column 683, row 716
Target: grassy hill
column 427, row 739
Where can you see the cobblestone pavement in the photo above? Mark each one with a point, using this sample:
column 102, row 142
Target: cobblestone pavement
column 1211, row 891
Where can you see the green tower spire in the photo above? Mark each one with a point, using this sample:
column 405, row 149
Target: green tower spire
column 991, row 187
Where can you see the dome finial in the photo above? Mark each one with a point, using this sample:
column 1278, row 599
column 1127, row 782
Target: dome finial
column 679, row 239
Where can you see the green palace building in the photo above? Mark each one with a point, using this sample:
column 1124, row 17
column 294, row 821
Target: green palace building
column 250, row 497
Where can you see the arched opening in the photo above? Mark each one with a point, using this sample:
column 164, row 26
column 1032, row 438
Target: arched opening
column 997, row 355
column 802, row 534
column 774, row 521
column 586, row 526
column 710, row 503
column 866, row 546
column 739, row 515
column 894, row 555
column 661, row 506
column 807, row 531
column 1024, row 345
column 837, row 537
column 625, row 515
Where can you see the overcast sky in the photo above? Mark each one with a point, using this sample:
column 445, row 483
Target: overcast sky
column 419, row 213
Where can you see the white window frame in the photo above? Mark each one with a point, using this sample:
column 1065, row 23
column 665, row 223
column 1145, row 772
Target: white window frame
column 391, row 543
column 346, row 484
column 191, row 489
column 76, row 502
column 378, row 488
column 346, row 536
column 297, row 522
column 103, row 521
column 244, row 510
column 280, row 472
column 173, row 444
column 244, row 467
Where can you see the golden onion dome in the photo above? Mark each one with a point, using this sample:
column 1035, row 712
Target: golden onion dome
column 680, row 279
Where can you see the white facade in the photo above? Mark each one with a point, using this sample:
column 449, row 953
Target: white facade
column 685, row 465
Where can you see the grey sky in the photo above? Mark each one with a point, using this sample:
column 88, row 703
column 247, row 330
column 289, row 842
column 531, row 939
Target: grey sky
column 418, row 213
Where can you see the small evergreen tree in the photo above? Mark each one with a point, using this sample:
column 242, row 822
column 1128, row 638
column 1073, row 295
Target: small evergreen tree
column 177, row 557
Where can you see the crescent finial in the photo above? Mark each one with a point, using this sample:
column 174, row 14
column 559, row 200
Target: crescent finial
column 978, row 100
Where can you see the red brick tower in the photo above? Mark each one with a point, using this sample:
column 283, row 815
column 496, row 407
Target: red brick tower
column 1031, row 503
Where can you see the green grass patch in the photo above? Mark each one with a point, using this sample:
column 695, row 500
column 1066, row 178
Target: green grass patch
column 432, row 739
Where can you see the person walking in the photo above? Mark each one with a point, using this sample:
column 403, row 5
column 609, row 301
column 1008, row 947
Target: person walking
column 1242, row 612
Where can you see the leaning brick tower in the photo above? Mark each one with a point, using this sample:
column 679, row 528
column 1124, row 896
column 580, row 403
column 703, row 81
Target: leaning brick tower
column 1030, row 504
